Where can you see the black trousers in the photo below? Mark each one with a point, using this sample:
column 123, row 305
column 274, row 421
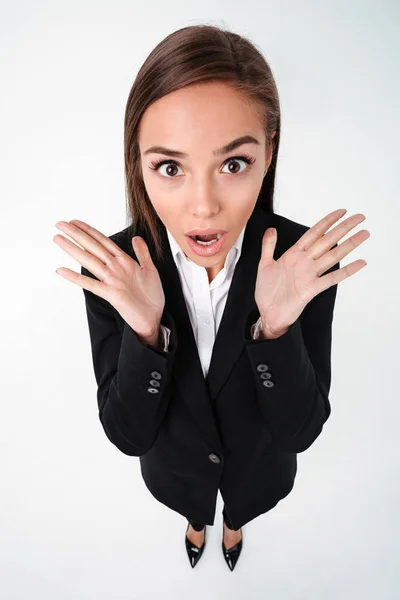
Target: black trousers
column 200, row 526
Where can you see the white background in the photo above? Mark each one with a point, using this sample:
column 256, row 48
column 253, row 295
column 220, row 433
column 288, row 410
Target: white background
column 77, row 521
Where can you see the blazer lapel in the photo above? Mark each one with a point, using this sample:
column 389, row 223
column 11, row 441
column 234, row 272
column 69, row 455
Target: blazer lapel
column 239, row 313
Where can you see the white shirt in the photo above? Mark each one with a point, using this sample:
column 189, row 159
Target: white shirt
column 205, row 302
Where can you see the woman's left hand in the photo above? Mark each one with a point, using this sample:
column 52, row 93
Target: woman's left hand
column 285, row 286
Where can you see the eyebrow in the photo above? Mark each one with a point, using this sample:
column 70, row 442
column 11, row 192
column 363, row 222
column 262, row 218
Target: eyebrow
column 244, row 139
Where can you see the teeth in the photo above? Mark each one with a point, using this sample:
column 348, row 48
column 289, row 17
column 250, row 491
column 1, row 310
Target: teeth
column 210, row 242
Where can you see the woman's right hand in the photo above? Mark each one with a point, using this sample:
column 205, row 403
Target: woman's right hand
column 134, row 290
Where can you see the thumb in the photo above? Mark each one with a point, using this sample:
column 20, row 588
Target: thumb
column 268, row 245
column 142, row 251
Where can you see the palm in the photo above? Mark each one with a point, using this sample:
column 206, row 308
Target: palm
column 285, row 286
column 139, row 287
column 132, row 287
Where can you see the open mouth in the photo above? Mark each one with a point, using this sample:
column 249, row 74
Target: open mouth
column 206, row 240
column 207, row 245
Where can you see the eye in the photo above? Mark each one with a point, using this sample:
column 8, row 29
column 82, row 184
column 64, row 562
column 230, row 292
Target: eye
column 156, row 165
column 234, row 159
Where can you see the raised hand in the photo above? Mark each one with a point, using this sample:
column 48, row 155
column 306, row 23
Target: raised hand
column 285, row 286
column 134, row 290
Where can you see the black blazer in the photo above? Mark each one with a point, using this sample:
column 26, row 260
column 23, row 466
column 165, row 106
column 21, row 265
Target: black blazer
column 239, row 429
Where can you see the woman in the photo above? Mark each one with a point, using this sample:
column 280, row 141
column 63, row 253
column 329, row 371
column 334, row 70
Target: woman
column 212, row 355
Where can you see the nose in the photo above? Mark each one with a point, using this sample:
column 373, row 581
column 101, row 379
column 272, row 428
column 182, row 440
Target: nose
column 204, row 198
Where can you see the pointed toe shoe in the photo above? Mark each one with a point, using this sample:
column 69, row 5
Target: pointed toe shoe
column 231, row 556
column 194, row 552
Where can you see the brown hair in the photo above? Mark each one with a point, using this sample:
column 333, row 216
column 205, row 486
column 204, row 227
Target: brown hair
column 194, row 54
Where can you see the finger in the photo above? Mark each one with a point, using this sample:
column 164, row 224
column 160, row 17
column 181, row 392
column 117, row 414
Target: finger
column 315, row 232
column 337, row 233
column 105, row 241
column 87, row 241
column 88, row 283
column 336, row 254
column 84, row 258
column 338, row 275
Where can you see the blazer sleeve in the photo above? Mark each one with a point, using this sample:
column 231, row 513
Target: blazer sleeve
column 293, row 374
column 133, row 379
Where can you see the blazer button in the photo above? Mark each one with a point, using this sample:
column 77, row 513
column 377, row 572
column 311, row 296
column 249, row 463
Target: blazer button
column 152, row 390
column 268, row 383
column 156, row 375
column 266, row 375
column 214, row 458
column 262, row 367
column 155, row 382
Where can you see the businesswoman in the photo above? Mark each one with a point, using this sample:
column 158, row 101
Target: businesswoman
column 210, row 315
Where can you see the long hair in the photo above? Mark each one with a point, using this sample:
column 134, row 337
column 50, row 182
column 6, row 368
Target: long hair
column 193, row 54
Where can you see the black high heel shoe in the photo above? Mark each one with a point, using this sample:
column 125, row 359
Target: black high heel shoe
column 194, row 552
column 231, row 556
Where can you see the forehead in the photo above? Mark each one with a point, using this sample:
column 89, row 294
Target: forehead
column 205, row 115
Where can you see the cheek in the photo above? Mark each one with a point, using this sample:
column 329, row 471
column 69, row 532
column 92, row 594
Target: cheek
column 242, row 191
column 150, row 184
column 167, row 208
column 160, row 190
column 157, row 194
